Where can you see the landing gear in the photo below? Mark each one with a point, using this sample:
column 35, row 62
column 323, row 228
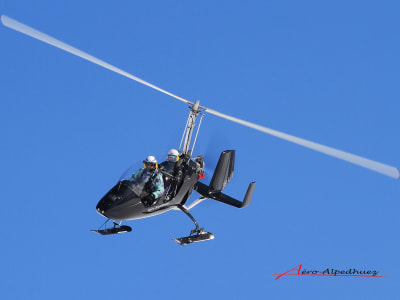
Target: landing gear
column 196, row 235
column 117, row 228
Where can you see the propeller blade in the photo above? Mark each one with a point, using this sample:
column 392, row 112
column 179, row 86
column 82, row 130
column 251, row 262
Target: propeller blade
column 13, row 24
column 354, row 159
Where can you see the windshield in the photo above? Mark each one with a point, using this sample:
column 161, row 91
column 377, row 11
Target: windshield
column 141, row 181
column 131, row 170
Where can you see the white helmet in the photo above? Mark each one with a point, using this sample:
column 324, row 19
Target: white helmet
column 150, row 161
column 173, row 155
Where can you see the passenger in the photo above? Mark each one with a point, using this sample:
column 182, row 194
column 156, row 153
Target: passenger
column 172, row 172
column 154, row 185
column 170, row 164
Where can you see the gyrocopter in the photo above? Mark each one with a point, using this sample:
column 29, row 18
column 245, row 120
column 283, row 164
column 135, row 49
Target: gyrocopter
column 127, row 199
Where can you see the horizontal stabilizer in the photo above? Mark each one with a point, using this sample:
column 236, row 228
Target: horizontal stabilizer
column 203, row 190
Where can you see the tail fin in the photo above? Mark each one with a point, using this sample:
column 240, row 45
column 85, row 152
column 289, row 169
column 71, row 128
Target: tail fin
column 223, row 171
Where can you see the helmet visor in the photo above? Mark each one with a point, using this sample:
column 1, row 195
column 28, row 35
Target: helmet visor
column 171, row 157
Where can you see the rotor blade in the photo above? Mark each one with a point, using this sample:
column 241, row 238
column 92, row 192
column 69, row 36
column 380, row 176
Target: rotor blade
column 13, row 24
column 358, row 160
column 355, row 159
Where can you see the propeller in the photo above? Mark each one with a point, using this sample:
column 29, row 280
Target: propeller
column 352, row 158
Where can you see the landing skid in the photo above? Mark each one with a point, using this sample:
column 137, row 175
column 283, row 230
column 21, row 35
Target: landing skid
column 200, row 237
column 196, row 235
column 113, row 230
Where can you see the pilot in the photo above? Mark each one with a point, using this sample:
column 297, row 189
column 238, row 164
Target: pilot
column 172, row 172
column 154, row 181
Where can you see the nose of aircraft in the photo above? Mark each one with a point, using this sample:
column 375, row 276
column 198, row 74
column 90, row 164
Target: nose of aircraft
column 103, row 206
column 100, row 208
column 118, row 208
column 120, row 203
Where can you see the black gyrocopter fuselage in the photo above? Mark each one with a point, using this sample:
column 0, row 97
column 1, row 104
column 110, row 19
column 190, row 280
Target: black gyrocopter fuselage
column 125, row 201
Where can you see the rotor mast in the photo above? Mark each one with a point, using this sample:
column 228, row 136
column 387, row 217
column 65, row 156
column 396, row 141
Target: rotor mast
column 190, row 125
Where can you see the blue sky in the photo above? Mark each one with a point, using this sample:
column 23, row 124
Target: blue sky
column 324, row 71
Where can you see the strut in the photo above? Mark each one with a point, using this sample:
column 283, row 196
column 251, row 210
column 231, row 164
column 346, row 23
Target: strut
column 197, row 234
